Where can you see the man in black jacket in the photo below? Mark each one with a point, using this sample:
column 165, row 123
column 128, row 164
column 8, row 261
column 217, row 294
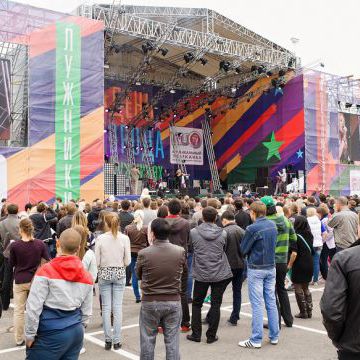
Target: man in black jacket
column 232, row 249
column 242, row 218
column 43, row 221
column 340, row 305
column 179, row 235
column 94, row 215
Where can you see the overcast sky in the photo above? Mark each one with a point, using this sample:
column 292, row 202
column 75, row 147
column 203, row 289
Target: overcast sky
column 328, row 30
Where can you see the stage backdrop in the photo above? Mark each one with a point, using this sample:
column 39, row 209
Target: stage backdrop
column 66, row 121
column 267, row 131
column 332, row 140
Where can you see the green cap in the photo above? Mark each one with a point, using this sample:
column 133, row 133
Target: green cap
column 268, row 201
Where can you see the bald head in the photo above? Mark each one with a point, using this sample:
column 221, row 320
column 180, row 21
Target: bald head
column 69, row 242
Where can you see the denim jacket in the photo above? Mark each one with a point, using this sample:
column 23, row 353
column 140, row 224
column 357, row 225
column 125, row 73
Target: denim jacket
column 259, row 244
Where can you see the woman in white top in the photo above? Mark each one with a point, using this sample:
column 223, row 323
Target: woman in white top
column 317, row 231
column 329, row 248
column 112, row 250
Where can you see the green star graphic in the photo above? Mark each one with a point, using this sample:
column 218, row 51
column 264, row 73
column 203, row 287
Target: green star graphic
column 273, row 147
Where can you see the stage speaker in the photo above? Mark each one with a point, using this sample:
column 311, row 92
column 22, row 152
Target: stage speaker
column 261, row 176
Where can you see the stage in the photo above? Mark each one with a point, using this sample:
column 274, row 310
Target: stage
column 155, row 97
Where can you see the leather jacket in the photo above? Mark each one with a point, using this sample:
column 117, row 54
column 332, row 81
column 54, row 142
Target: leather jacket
column 159, row 267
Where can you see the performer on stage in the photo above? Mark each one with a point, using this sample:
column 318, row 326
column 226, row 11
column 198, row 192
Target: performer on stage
column 180, row 182
column 281, row 182
column 134, row 180
column 165, row 177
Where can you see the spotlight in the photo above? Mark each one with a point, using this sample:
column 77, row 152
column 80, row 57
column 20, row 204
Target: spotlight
column 292, row 63
column 163, row 51
column 148, row 46
column 224, row 65
column 261, row 69
column 203, row 61
column 138, row 83
column 172, row 91
column 188, row 57
column 348, row 105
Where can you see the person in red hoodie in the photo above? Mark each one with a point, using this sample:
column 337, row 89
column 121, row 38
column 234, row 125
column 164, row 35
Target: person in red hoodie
column 59, row 304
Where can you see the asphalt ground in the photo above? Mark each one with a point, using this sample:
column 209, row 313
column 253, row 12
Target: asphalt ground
column 307, row 339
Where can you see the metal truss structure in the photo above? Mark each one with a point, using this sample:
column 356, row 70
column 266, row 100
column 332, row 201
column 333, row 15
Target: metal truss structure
column 343, row 93
column 136, row 24
column 17, row 54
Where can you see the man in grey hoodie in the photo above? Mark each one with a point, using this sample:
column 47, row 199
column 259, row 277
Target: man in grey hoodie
column 210, row 269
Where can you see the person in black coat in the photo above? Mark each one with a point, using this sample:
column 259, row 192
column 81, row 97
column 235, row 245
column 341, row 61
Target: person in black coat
column 340, row 305
column 242, row 218
column 302, row 269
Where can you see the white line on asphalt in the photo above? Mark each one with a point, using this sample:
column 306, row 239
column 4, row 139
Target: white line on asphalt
column 120, row 352
column 294, row 326
column 122, row 328
column 12, row 349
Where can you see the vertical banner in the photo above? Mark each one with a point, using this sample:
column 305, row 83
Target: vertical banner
column 67, row 111
column 188, row 147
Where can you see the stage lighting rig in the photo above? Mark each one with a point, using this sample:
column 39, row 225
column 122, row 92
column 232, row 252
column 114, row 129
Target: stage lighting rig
column 188, row 57
column 203, row 61
column 225, row 65
column 148, row 46
column 163, row 51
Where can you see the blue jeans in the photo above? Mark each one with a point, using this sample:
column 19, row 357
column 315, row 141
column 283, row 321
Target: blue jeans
column 237, row 281
column 190, row 278
column 134, row 279
column 261, row 286
column 160, row 313
column 316, row 260
column 112, row 292
column 62, row 344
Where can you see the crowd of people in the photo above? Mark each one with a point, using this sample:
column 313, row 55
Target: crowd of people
column 184, row 251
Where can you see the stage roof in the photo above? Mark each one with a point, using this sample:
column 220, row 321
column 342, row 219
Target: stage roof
column 203, row 32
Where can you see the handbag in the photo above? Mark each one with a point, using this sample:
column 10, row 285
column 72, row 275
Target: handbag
column 306, row 244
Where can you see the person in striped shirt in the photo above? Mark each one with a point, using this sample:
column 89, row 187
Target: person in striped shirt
column 286, row 242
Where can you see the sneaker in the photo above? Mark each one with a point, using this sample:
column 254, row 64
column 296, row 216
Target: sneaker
column 274, row 342
column 185, row 329
column 82, row 351
column 212, row 340
column 21, row 344
column 192, row 338
column 138, row 301
column 249, row 344
column 117, row 346
column 108, row 345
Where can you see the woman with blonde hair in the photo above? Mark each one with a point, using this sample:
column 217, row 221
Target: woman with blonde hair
column 80, row 219
column 87, row 257
column 112, row 251
column 25, row 258
column 138, row 236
